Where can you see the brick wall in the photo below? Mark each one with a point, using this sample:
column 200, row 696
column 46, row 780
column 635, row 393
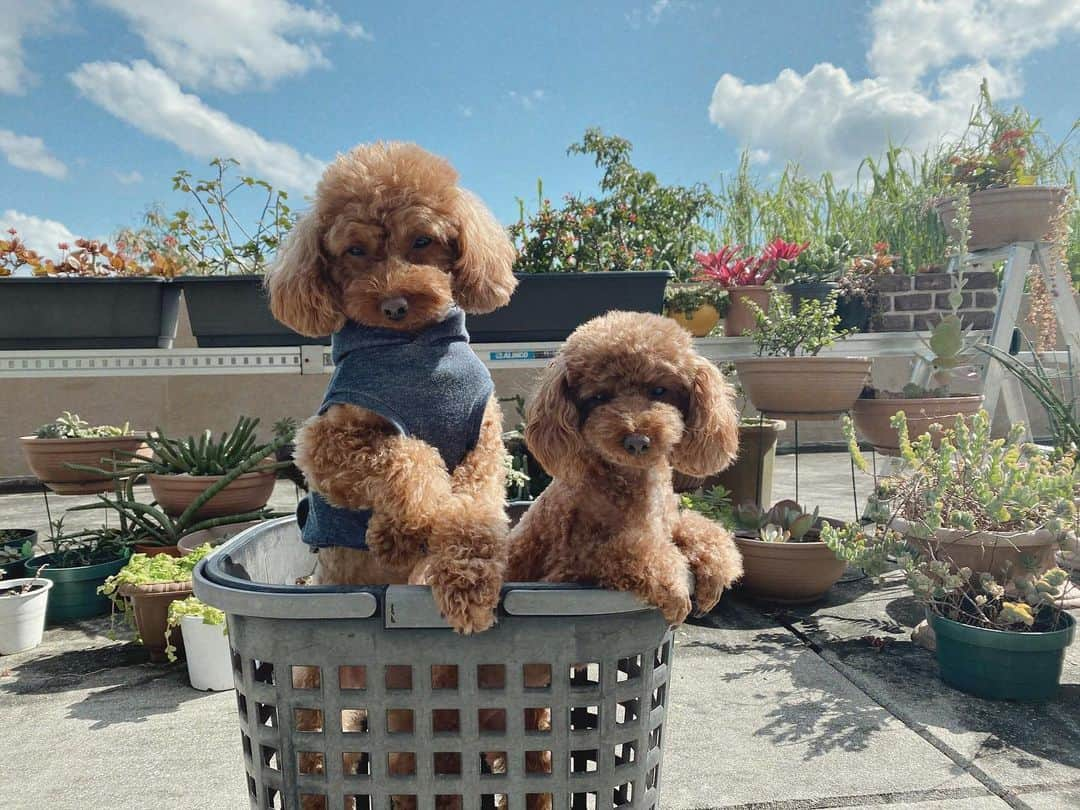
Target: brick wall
column 912, row 303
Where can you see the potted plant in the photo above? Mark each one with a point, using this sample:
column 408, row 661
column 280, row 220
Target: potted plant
column 224, row 258
column 935, row 403
column 965, row 498
column 525, row 478
column 785, row 557
column 815, row 272
column 55, row 447
column 613, row 251
column 745, row 278
column 206, row 644
column 77, row 564
column 145, row 587
column 858, row 300
column 788, row 380
column 237, row 467
column 23, row 605
column 285, row 430
column 150, row 530
column 94, row 297
column 16, row 547
column 695, row 306
column 998, row 161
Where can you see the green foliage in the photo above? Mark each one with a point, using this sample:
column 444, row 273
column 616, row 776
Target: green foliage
column 70, row 426
column 783, row 333
column 207, row 455
column 191, row 606
column 212, row 240
column 823, row 261
column 977, row 483
column 143, row 569
column 525, row 478
column 714, row 503
column 84, row 547
column 636, row 223
column 285, row 429
column 688, row 298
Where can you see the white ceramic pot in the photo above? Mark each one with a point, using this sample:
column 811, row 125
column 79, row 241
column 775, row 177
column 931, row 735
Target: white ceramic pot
column 22, row 616
column 206, row 648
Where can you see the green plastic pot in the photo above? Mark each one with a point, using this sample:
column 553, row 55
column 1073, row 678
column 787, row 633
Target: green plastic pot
column 75, row 596
column 999, row 664
column 17, row 568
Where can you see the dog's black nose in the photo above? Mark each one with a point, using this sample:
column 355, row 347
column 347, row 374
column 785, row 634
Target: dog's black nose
column 636, row 444
column 395, row 308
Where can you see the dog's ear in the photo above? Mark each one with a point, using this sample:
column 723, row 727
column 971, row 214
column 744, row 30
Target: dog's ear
column 483, row 277
column 552, row 425
column 301, row 295
column 710, row 440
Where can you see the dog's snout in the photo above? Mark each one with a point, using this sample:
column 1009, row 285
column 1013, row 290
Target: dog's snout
column 636, row 444
column 394, row 308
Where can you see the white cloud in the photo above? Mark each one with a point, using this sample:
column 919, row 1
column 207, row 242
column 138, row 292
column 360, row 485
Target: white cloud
column 232, row 44
column 528, row 99
column 39, row 234
column 758, row 156
column 148, row 99
column 131, row 178
column 20, row 18
column 654, row 12
column 31, row 154
column 925, row 63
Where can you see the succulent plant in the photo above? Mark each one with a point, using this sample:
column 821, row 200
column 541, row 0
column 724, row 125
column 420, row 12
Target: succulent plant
column 785, row 522
column 714, row 503
column 70, row 425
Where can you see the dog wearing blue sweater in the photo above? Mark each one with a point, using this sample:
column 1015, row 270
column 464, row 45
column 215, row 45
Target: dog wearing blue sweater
column 404, row 456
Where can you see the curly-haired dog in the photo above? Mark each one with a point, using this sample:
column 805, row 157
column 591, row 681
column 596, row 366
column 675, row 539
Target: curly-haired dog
column 405, row 456
column 626, row 401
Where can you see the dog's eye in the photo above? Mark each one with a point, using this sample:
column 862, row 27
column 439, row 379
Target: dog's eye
column 421, row 242
column 657, row 391
column 598, row 399
column 356, row 250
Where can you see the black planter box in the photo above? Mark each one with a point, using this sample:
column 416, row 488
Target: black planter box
column 234, row 311
column 87, row 313
column 549, row 306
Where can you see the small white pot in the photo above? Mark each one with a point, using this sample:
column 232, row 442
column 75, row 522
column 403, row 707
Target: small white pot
column 206, row 648
column 22, row 616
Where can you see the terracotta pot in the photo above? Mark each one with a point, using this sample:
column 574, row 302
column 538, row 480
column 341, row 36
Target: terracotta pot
column 750, row 477
column 698, row 323
column 994, row 552
column 47, row 457
column 791, row 573
column 740, row 318
column 872, row 417
column 1001, row 216
column 150, row 603
column 215, row 536
column 806, row 388
column 174, row 493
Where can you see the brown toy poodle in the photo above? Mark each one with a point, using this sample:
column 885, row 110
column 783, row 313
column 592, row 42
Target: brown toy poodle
column 626, row 401
column 405, row 456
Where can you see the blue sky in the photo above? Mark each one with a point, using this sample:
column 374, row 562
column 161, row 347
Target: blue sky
column 101, row 101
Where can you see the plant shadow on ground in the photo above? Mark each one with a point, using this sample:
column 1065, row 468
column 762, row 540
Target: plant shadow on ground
column 814, row 707
column 872, row 645
column 121, row 685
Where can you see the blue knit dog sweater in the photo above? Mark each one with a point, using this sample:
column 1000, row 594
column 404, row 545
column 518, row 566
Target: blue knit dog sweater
column 427, row 384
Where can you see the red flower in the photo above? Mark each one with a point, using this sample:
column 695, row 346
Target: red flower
column 780, row 251
column 728, row 269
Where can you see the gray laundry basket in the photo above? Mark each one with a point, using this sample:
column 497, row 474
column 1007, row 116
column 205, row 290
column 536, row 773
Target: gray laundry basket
column 604, row 658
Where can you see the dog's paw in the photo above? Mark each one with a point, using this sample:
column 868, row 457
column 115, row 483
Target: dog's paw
column 466, row 591
column 707, row 592
column 675, row 604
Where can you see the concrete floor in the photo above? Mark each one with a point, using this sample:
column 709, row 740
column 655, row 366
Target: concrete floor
column 770, row 709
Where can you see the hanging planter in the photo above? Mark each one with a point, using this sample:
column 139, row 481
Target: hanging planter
column 87, row 313
column 23, row 604
column 1002, row 216
column 549, row 306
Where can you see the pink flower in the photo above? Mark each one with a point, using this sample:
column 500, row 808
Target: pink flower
column 63, row 246
column 170, row 241
column 728, row 269
column 780, row 251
